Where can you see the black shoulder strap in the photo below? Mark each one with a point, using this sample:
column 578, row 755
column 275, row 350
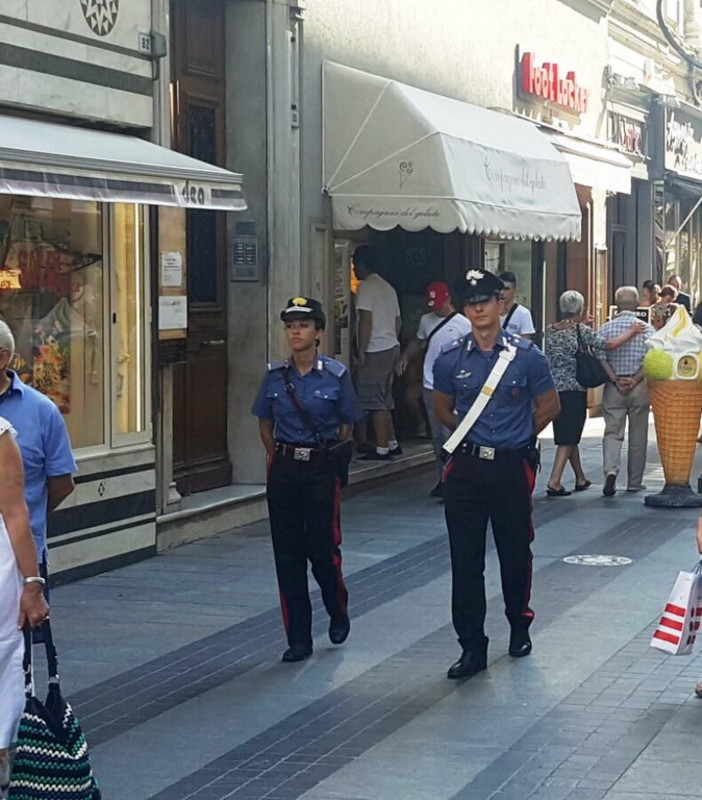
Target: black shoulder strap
column 301, row 410
column 509, row 316
column 440, row 326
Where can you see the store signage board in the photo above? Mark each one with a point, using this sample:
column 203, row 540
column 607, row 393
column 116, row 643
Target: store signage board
column 629, row 134
column 551, row 83
column 683, row 147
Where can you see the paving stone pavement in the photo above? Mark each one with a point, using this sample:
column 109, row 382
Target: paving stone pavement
column 173, row 665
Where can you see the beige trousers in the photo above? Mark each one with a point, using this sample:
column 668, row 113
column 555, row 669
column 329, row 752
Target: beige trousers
column 617, row 409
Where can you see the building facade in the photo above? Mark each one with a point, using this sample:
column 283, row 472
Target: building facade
column 93, row 275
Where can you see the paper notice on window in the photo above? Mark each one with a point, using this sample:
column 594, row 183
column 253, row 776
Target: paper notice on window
column 172, row 269
column 172, row 313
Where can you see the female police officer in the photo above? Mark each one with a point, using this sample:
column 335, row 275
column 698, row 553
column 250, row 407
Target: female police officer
column 306, row 404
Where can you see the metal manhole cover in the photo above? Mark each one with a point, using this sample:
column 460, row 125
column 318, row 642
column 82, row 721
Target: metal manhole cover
column 101, row 15
column 587, row 560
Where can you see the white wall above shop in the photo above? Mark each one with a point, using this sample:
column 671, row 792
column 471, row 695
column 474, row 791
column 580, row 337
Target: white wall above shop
column 78, row 58
column 464, row 49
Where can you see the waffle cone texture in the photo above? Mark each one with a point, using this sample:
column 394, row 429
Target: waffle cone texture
column 677, row 408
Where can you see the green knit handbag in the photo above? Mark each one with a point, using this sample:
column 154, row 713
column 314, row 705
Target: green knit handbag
column 51, row 760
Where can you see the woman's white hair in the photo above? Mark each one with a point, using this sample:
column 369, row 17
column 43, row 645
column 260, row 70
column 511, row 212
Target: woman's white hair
column 571, row 303
column 7, row 340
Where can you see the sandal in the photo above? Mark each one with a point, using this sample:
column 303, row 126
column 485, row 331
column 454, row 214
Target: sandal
column 580, row 487
column 562, row 492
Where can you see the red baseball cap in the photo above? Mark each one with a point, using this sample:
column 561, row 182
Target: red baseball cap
column 437, row 294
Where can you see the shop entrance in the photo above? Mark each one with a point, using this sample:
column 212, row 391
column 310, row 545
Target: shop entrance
column 201, row 459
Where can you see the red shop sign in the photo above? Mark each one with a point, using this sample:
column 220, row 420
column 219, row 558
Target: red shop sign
column 550, row 82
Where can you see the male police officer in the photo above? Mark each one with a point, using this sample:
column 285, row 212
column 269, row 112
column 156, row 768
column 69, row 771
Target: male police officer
column 491, row 474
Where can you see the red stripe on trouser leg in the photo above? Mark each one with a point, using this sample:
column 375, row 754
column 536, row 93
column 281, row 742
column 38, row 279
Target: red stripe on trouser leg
column 342, row 593
column 284, row 612
column 531, row 482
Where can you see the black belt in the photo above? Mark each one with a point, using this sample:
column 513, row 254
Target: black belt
column 301, row 452
column 492, row 453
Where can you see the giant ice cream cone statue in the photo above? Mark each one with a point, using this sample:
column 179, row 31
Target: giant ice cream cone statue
column 673, row 369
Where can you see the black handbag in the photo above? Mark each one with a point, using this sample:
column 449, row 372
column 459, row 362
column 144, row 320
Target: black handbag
column 589, row 371
column 51, row 760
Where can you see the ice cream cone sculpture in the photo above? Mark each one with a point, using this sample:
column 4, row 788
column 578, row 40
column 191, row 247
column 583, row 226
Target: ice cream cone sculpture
column 673, row 369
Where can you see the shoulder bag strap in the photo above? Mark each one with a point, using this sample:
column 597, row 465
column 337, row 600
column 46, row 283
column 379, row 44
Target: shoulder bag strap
column 505, row 358
column 440, row 326
column 28, row 660
column 301, row 410
column 509, row 316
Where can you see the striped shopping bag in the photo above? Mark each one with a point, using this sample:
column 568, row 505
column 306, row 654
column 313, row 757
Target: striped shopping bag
column 51, row 761
column 677, row 630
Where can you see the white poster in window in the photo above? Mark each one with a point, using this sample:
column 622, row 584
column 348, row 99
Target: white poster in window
column 172, row 313
column 172, row 269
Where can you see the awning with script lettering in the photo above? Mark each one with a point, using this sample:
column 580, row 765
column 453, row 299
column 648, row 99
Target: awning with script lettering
column 395, row 156
column 49, row 160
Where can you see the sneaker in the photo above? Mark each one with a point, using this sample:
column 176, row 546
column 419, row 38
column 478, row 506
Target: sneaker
column 610, row 485
column 396, row 451
column 376, row 456
column 641, row 488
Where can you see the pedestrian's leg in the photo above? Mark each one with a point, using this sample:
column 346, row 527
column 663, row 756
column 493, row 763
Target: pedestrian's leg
column 466, row 519
column 560, row 460
column 614, row 410
column 437, row 430
column 638, row 436
column 576, row 464
column 287, row 531
column 323, row 540
column 513, row 530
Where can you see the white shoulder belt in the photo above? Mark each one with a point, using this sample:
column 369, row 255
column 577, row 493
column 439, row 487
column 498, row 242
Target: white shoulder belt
column 506, row 357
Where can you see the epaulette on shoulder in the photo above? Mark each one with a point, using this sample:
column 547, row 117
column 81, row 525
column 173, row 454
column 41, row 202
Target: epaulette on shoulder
column 454, row 345
column 336, row 368
column 519, row 341
column 274, row 365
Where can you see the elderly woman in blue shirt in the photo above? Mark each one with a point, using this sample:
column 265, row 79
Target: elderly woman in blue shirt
column 560, row 349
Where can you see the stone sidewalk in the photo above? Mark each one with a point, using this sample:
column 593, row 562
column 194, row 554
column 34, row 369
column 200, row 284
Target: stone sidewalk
column 173, row 664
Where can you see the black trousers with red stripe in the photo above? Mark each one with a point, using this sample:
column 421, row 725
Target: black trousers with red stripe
column 476, row 492
column 303, row 502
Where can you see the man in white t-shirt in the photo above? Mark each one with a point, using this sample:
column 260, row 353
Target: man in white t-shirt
column 517, row 318
column 442, row 325
column 379, row 324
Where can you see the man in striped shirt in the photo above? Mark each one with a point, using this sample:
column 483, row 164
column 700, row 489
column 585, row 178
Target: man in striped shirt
column 627, row 398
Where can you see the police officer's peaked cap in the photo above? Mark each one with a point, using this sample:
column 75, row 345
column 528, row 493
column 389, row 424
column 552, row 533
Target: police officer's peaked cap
column 476, row 286
column 304, row 308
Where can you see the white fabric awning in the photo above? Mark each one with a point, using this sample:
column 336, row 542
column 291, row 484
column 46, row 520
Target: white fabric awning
column 49, row 160
column 397, row 155
column 594, row 165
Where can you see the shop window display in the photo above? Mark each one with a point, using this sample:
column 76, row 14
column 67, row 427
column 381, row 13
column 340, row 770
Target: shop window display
column 51, row 295
column 57, row 296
